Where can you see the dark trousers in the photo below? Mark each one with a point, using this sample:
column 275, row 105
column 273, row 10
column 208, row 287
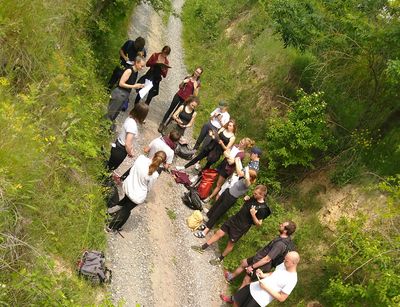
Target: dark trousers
column 244, row 299
column 200, row 156
column 122, row 215
column 118, row 154
column 203, row 134
column 118, row 96
column 150, row 96
column 175, row 104
column 220, row 207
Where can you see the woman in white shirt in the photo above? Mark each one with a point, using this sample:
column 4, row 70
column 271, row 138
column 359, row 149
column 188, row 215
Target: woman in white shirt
column 136, row 186
column 125, row 141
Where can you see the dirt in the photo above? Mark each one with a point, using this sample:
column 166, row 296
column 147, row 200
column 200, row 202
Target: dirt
column 152, row 263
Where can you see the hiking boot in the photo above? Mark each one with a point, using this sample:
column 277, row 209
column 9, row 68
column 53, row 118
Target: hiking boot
column 215, row 261
column 160, row 128
column 226, row 299
column 197, row 249
column 228, row 276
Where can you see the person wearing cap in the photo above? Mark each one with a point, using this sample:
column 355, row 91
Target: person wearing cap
column 219, row 117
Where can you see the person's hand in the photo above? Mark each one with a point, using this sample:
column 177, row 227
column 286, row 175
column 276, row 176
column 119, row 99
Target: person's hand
column 140, row 53
column 220, row 142
column 186, row 80
column 211, row 133
column 253, row 210
column 249, row 269
column 259, row 273
column 246, row 198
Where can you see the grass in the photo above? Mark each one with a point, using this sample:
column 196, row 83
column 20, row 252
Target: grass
column 171, row 214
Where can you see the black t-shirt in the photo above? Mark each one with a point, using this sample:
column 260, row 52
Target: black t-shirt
column 129, row 48
column 243, row 220
column 131, row 80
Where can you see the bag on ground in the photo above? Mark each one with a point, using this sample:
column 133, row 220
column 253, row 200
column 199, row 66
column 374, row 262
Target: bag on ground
column 195, row 220
column 208, row 177
column 183, row 151
column 192, row 199
column 93, row 268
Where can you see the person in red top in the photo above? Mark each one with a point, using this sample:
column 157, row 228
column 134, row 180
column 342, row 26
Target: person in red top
column 159, row 64
column 189, row 86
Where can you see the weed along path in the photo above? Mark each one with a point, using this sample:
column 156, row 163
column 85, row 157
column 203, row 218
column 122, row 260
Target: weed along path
column 152, row 263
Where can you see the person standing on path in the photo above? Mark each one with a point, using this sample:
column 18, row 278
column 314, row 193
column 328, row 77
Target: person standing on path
column 184, row 116
column 189, row 86
column 159, row 64
column 268, row 257
column 123, row 90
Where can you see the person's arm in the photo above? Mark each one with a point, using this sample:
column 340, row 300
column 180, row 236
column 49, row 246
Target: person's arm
column 129, row 144
column 196, row 87
column 239, row 168
column 247, row 176
column 175, row 116
column 125, row 76
column 123, row 55
column 190, row 124
column 253, row 213
column 278, row 295
column 164, row 69
column 182, row 84
column 146, row 149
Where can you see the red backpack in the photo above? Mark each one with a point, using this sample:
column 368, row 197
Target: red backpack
column 208, row 176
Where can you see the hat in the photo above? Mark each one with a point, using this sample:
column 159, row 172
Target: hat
column 223, row 103
column 257, row 151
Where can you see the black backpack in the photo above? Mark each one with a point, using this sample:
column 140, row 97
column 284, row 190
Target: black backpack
column 289, row 247
column 192, row 199
column 183, row 151
column 92, row 267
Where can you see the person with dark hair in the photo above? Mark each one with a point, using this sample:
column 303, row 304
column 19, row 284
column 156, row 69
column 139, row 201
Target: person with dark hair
column 159, row 64
column 276, row 285
column 124, row 145
column 166, row 143
column 123, row 90
column 136, row 186
column 268, row 257
column 127, row 54
column 184, row 116
column 253, row 211
column 189, row 86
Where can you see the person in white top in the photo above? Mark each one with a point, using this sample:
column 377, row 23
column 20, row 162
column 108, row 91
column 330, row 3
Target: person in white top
column 136, row 186
column 276, row 285
column 125, row 142
column 166, row 144
column 219, row 117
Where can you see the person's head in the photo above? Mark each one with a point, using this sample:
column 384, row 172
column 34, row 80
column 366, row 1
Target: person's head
column 166, row 50
column 230, row 126
column 255, row 153
column 259, row 192
column 159, row 158
column 252, row 175
column 288, row 228
column 246, row 143
column 139, row 43
column 192, row 101
column 292, row 259
column 223, row 106
column 197, row 72
column 140, row 62
column 139, row 112
column 174, row 136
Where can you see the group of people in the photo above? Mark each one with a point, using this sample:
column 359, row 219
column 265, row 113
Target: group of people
column 217, row 141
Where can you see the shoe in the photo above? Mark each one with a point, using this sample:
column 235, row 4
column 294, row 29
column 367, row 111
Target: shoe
column 197, row 166
column 206, row 200
column 197, row 249
column 114, row 209
column 160, row 128
column 205, row 210
column 194, row 179
column 226, row 299
column 215, row 261
column 202, row 227
column 110, row 230
column 228, row 276
column 199, row 234
column 179, row 168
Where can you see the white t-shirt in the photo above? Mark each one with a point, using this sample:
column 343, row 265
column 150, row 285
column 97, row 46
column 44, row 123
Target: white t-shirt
column 159, row 144
column 139, row 182
column 224, row 118
column 279, row 280
column 129, row 126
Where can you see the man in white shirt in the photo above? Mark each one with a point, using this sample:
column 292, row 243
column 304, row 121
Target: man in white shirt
column 166, row 144
column 219, row 117
column 276, row 285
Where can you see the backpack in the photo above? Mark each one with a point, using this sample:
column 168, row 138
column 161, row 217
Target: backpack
column 208, row 176
column 194, row 220
column 192, row 199
column 92, row 267
column 183, row 151
column 289, row 247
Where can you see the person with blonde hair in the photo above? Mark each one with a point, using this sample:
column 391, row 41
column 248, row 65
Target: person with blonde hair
column 136, row 186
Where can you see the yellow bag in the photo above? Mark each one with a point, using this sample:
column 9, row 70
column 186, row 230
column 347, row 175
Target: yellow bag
column 195, row 220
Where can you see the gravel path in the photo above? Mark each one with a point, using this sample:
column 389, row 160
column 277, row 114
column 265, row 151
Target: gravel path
column 153, row 264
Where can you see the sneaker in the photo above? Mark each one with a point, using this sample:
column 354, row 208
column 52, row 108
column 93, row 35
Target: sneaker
column 114, row 209
column 226, row 299
column 206, row 200
column 228, row 276
column 110, row 230
column 205, row 210
column 194, row 179
column 202, row 227
column 215, row 261
column 197, row 166
column 179, row 168
column 197, row 249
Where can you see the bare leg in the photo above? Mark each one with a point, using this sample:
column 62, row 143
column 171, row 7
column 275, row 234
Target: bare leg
column 220, row 182
column 246, row 281
column 228, row 248
column 240, row 269
column 218, row 235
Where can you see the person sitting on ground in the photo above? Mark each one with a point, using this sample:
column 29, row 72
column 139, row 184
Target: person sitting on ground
column 184, row 116
column 189, row 86
column 276, row 285
column 159, row 64
column 220, row 142
column 136, row 186
column 127, row 54
column 166, row 144
column 254, row 163
column 124, row 145
column 219, row 117
column 268, row 257
column 253, row 211
column 226, row 201
column 227, row 166
column 123, row 90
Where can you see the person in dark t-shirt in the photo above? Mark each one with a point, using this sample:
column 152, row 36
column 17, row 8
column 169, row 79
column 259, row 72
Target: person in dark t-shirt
column 253, row 211
column 268, row 257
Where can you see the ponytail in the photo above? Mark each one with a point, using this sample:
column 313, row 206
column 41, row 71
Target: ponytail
column 158, row 159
